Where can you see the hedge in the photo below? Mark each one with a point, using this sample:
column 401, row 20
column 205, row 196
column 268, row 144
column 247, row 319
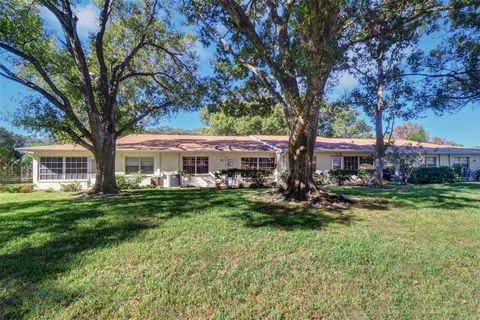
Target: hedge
column 425, row 175
column 341, row 176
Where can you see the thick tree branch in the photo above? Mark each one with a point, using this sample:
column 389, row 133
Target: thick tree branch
column 142, row 115
column 75, row 137
column 119, row 69
column 69, row 25
column 52, row 99
column 41, row 71
column 270, row 87
column 102, row 82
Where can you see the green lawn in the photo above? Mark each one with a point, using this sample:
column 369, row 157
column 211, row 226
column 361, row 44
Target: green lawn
column 408, row 253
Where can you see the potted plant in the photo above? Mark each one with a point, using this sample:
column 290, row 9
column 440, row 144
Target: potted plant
column 218, row 179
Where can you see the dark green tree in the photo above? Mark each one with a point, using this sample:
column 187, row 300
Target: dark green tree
column 411, row 131
column 335, row 120
column 97, row 89
column 385, row 92
column 450, row 73
column 289, row 49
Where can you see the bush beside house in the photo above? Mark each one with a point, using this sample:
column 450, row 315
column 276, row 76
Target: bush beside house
column 426, row 175
column 131, row 181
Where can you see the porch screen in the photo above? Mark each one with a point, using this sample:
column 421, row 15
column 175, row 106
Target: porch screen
column 51, row 168
column 75, row 168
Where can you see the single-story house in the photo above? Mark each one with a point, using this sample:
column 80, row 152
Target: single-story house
column 159, row 156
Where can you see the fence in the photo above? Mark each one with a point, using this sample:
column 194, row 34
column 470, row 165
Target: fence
column 15, row 172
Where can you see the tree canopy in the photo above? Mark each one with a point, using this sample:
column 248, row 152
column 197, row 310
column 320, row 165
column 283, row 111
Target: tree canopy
column 335, row 120
column 136, row 65
column 416, row 132
column 450, row 72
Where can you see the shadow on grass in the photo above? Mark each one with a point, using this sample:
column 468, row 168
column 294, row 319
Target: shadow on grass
column 442, row 197
column 40, row 239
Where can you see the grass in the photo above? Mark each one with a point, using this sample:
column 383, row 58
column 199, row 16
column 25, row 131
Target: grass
column 407, row 253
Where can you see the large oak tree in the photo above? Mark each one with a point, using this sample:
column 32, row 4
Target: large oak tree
column 95, row 89
column 291, row 48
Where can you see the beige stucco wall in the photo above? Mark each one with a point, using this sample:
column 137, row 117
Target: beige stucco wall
column 163, row 162
column 172, row 162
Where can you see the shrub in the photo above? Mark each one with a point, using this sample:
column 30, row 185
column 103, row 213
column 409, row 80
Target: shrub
column 256, row 177
column 26, row 188
column 131, row 181
column 365, row 176
column 425, row 175
column 74, row 186
column 16, row 188
column 477, row 175
column 341, row 176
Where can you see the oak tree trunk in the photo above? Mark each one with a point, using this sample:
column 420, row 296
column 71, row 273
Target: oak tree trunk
column 380, row 148
column 301, row 144
column 104, row 152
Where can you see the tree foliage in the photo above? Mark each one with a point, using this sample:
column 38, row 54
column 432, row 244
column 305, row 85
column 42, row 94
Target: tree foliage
column 136, row 65
column 336, row 120
column 416, row 132
column 450, row 73
column 411, row 131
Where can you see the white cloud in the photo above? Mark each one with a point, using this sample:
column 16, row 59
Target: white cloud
column 87, row 20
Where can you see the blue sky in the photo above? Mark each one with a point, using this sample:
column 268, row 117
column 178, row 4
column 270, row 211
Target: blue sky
column 462, row 127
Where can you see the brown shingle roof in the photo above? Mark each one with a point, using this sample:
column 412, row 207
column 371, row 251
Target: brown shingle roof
column 350, row 144
column 172, row 143
column 256, row 143
column 189, row 143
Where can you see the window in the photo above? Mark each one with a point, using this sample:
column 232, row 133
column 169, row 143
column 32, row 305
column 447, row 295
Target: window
column 75, row 168
column 336, row 162
column 195, row 165
column 202, row 165
column 63, row 168
column 136, row 164
column 350, row 162
column 249, row 163
column 460, row 161
column 266, row 164
column 189, row 164
column 431, row 161
column 51, row 168
column 261, row 163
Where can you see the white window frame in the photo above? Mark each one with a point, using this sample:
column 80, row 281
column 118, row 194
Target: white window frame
column 140, row 164
column 434, row 162
column 196, row 164
column 64, row 169
column 341, row 162
column 460, row 162
column 257, row 163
